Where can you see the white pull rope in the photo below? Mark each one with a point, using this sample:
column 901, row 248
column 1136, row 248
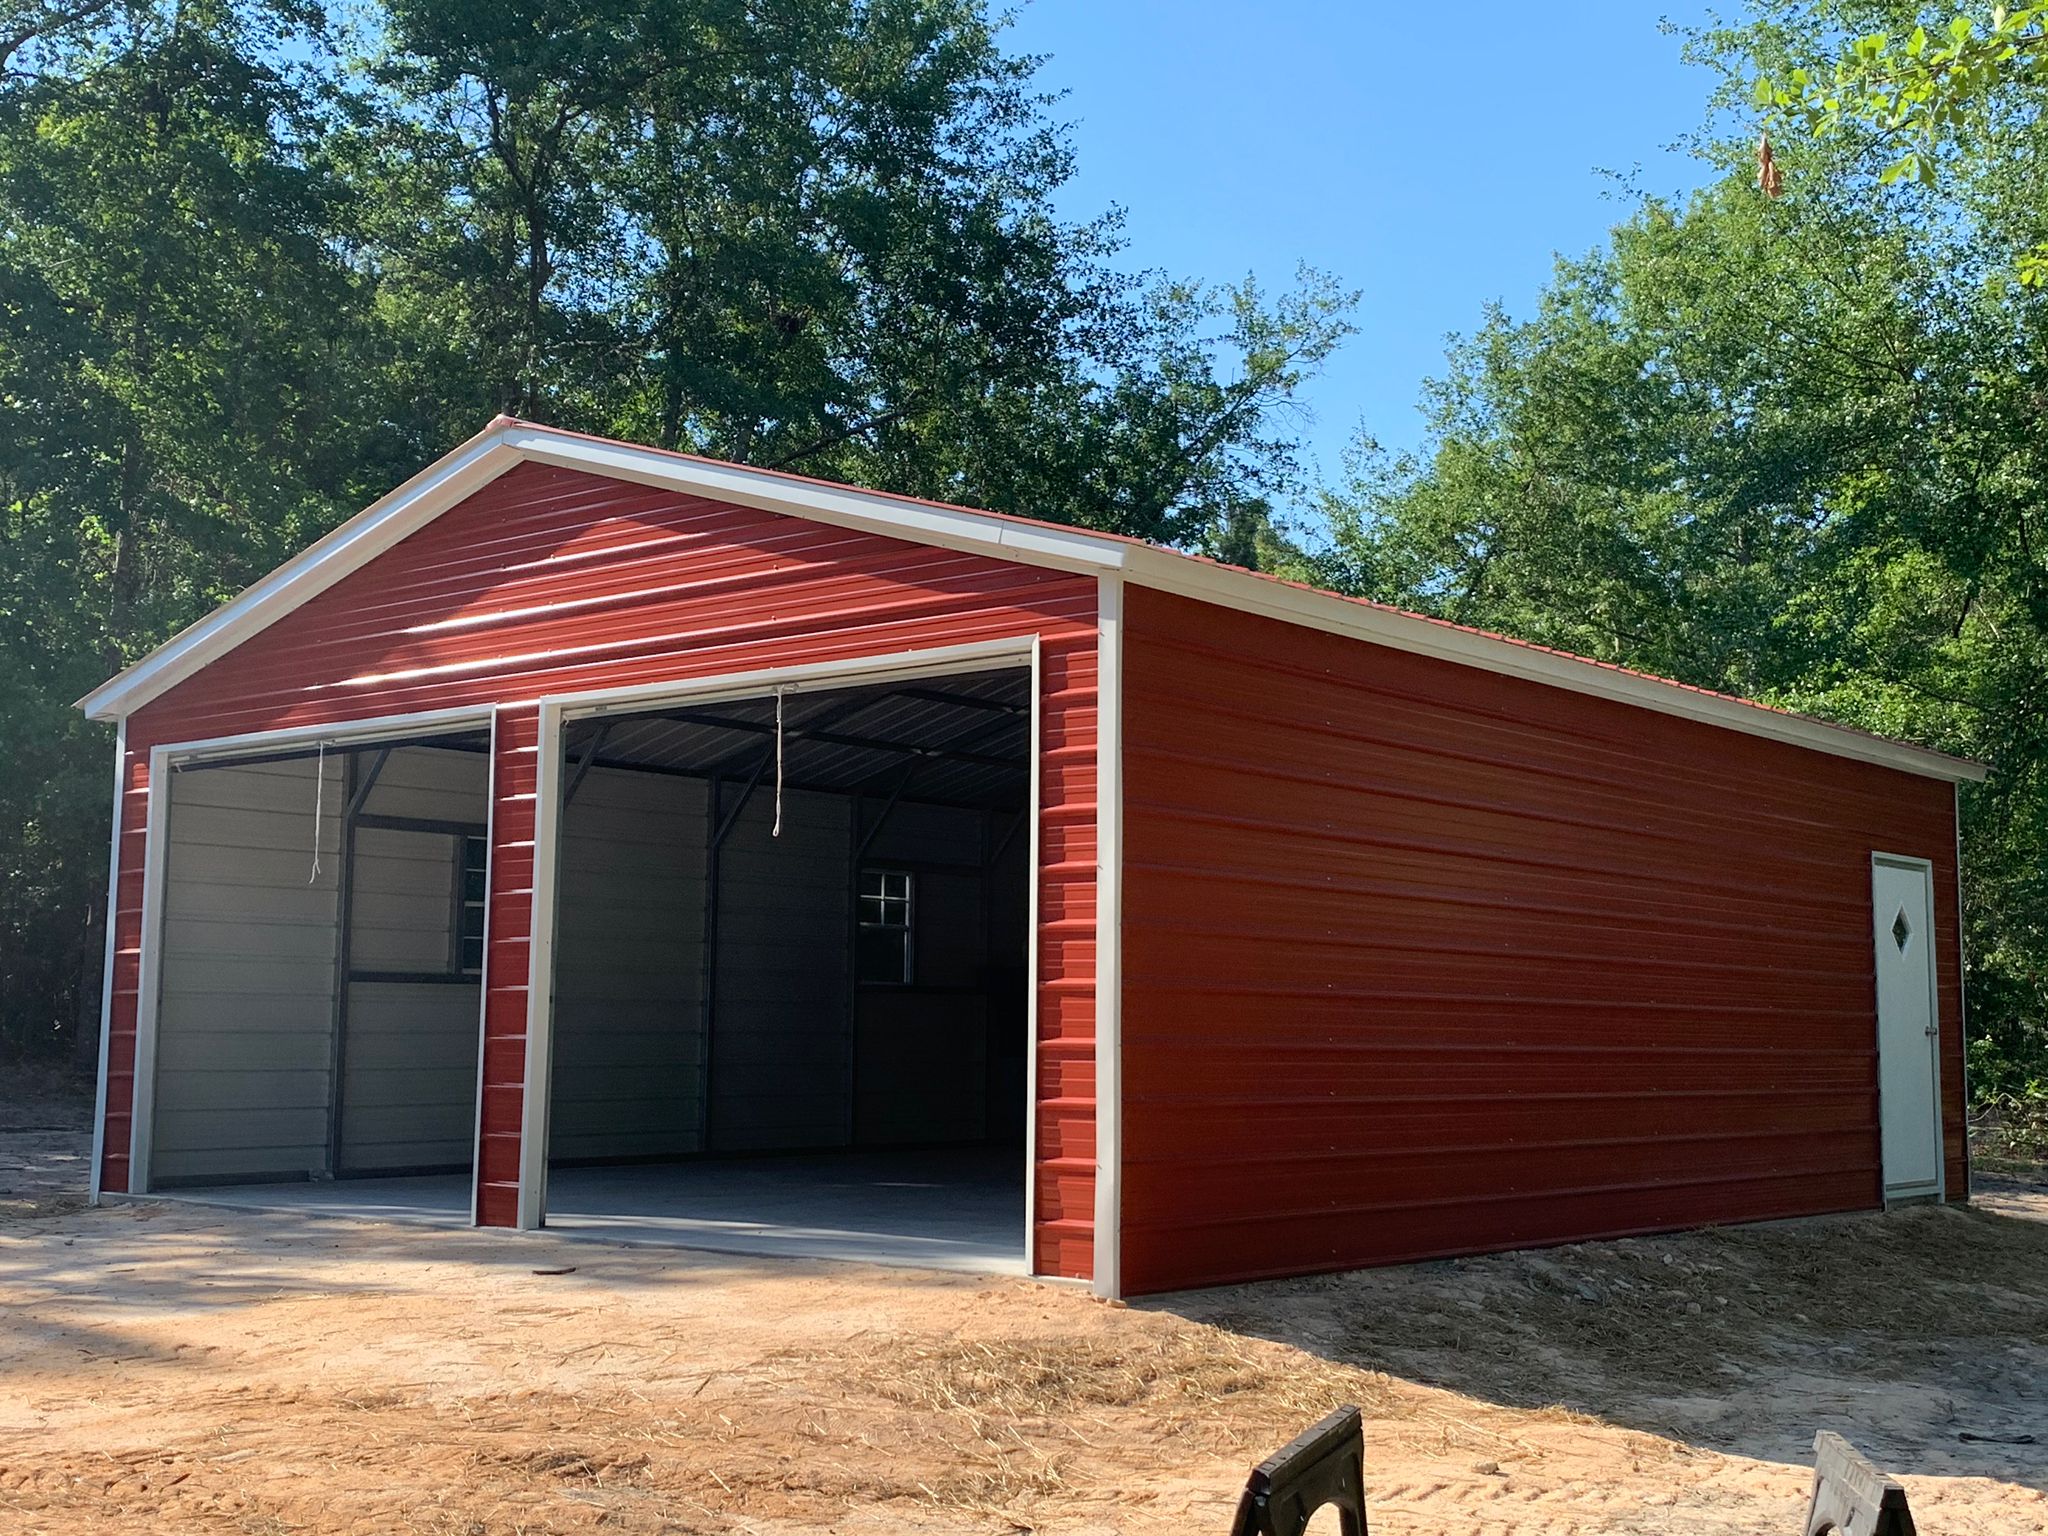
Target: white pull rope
column 776, row 830
column 319, row 799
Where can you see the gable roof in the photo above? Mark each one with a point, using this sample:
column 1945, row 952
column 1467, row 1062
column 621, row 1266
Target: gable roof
column 508, row 442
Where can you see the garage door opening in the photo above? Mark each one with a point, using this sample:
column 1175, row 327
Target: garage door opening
column 317, row 996
column 790, row 1001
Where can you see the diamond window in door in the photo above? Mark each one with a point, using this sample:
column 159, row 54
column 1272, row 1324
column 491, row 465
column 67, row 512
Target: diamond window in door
column 1901, row 930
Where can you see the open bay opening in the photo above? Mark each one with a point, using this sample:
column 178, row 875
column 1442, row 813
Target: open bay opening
column 790, row 991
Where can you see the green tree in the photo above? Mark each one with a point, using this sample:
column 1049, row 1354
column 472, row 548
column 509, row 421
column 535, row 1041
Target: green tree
column 1915, row 76
column 816, row 236
column 1178, row 429
column 174, row 316
column 253, row 273
column 1784, row 447
column 1918, row 87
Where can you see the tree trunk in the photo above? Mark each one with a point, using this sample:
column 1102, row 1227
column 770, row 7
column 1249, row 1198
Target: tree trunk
column 538, row 273
column 124, row 582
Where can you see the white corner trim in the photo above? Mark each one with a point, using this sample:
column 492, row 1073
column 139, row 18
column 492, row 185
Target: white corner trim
column 1109, row 917
column 537, row 1092
column 150, row 958
column 113, row 911
column 1034, row 874
column 1169, row 571
column 1962, row 1006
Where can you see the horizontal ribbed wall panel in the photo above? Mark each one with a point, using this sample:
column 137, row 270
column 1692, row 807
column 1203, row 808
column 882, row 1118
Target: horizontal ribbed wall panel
column 248, row 1096
column 1422, row 960
column 553, row 581
column 508, row 934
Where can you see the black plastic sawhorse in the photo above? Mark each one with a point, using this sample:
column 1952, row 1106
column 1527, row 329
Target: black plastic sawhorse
column 1324, row 1466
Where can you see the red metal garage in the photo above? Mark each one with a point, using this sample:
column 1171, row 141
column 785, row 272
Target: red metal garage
column 1348, row 936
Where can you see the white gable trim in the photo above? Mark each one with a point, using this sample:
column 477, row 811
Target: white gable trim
column 507, row 443
column 984, row 533
column 312, row 571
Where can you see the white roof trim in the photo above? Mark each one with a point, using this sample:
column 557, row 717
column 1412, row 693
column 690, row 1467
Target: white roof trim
column 312, row 571
column 924, row 522
column 1169, row 571
column 507, row 443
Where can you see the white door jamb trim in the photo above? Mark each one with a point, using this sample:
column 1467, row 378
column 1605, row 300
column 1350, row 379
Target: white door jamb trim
column 1925, row 869
column 851, row 672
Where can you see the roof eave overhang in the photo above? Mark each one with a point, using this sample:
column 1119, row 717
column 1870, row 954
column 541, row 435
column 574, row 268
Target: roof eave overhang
column 506, row 443
column 1423, row 636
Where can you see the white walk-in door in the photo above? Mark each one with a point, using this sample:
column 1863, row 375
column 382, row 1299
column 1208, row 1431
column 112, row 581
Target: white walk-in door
column 1909, row 1100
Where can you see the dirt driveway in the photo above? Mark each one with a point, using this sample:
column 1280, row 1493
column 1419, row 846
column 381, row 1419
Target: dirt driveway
column 177, row 1368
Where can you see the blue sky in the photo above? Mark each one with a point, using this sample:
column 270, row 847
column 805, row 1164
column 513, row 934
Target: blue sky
column 1436, row 157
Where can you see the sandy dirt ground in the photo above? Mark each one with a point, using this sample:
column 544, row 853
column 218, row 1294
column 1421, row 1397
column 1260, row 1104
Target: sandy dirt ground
column 45, row 1142
column 2021, row 1192
column 176, row 1368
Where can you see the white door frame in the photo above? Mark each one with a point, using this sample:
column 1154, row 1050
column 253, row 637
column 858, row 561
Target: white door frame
column 166, row 759
column 557, row 710
column 1925, row 869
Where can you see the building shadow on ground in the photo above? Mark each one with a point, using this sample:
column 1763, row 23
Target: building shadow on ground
column 1920, row 1334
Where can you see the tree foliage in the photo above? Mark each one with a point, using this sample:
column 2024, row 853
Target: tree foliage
column 1790, row 448
column 1921, row 87
column 175, row 314
column 257, row 265
column 1918, row 85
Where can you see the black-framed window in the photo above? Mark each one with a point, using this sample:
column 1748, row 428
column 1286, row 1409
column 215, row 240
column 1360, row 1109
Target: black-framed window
column 887, row 952
column 473, row 860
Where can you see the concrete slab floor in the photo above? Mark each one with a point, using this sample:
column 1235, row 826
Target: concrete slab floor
column 941, row 1208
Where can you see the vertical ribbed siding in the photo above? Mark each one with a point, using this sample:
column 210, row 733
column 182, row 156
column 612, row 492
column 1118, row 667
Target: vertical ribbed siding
column 1420, row 960
column 551, row 581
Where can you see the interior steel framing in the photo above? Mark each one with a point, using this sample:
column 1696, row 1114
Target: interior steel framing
column 555, row 711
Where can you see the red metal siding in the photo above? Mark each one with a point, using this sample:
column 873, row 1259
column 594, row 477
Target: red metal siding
column 1064, row 1116
column 551, row 580
column 508, row 931
column 1422, row 960
column 133, row 815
